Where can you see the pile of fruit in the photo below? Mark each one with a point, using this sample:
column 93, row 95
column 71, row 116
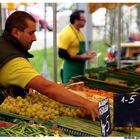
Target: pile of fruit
column 92, row 94
column 36, row 105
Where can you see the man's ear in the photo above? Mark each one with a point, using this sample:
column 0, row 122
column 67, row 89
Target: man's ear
column 15, row 32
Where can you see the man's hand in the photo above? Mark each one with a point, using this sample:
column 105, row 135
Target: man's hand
column 87, row 55
column 92, row 107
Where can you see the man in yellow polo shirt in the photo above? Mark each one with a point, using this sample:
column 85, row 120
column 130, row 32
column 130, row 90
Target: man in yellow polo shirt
column 72, row 47
column 16, row 71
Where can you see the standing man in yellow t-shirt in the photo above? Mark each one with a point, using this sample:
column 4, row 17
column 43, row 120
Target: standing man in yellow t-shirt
column 72, row 47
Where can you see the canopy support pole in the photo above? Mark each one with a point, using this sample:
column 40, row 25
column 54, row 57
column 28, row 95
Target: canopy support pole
column 118, row 36
column 54, row 42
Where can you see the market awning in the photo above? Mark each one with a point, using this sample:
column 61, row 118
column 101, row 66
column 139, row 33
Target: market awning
column 95, row 6
column 14, row 6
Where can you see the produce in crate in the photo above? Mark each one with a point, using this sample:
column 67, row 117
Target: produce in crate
column 92, row 94
column 97, row 95
column 36, row 105
column 89, row 92
column 23, row 129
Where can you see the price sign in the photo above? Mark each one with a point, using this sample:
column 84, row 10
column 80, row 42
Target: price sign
column 127, row 110
column 104, row 112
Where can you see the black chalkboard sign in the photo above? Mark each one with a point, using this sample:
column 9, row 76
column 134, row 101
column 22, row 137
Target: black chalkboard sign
column 104, row 112
column 127, row 110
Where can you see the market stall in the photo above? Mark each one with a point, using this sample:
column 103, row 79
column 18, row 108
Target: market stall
column 61, row 120
column 37, row 115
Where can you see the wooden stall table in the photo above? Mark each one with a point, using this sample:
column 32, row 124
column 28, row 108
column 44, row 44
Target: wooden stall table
column 125, row 63
column 131, row 48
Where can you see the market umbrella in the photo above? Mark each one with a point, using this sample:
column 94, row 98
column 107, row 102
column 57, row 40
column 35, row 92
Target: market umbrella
column 95, row 6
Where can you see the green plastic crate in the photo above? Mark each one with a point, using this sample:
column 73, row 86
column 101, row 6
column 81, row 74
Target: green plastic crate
column 131, row 67
column 70, row 125
column 131, row 79
column 14, row 118
column 82, row 127
column 99, row 84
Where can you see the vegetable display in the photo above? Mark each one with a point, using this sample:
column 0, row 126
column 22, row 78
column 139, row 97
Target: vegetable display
column 23, row 129
column 38, row 106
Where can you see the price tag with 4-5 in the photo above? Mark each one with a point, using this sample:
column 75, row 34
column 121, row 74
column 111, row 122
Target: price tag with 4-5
column 104, row 112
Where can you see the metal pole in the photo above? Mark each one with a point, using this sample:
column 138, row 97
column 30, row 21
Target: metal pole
column 118, row 35
column 45, row 32
column 45, row 71
column 54, row 41
column 0, row 18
